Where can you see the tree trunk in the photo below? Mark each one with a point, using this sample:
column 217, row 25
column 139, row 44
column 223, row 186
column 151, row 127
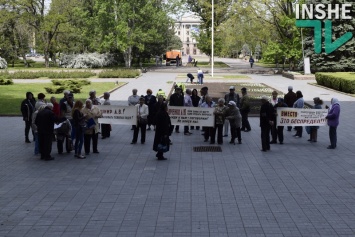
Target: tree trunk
column 128, row 57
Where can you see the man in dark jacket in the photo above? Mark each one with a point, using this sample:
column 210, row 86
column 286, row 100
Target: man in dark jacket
column 27, row 108
column 266, row 121
column 289, row 99
column 45, row 124
column 176, row 99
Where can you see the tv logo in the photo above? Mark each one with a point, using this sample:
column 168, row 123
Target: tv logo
column 321, row 12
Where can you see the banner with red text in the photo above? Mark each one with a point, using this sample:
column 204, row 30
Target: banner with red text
column 192, row 116
column 115, row 114
column 301, row 117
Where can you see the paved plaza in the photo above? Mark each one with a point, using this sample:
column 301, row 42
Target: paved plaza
column 296, row 189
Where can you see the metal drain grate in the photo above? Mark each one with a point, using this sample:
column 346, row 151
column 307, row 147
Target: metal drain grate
column 207, row 149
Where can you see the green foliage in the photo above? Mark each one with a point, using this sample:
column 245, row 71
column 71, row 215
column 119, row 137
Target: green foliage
column 344, row 82
column 127, row 73
column 340, row 60
column 4, row 82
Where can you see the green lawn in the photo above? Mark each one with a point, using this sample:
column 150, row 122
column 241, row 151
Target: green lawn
column 11, row 96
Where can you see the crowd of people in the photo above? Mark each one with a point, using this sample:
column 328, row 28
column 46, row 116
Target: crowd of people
column 75, row 123
column 71, row 122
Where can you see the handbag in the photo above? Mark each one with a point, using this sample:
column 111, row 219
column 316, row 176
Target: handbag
column 143, row 120
column 163, row 146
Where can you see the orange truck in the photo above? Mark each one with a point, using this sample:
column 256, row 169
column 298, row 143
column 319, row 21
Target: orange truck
column 170, row 57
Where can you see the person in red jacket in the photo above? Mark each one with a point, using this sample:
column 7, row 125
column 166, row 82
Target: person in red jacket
column 56, row 107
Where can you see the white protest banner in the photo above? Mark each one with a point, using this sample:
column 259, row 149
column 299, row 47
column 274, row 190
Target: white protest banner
column 301, row 117
column 115, row 114
column 193, row 116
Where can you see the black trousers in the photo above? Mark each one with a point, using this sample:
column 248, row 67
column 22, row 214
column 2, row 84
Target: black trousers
column 186, row 129
column 208, row 132
column 236, row 133
column 45, row 145
column 219, row 130
column 60, row 144
column 274, row 132
column 87, row 142
column 299, row 131
column 333, row 136
column 278, row 134
column 27, row 128
column 143, row 128
column 265, row 137
column 105, row 130
column 245, row 121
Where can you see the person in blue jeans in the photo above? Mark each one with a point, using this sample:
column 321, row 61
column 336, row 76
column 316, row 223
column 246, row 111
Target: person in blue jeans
column 200, row 76
column 79, row 124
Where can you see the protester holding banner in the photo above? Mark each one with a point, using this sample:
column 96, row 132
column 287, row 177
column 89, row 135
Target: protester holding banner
column 162, row 131
column 106, row 128
column 91, row 113
column 208, row 131
column 266, row 121
column 299, row 104
column 278, row 130
column 333, row 122
column 187, row 103
column 313, row 130
column 290, row 98
column 176, row 99
column 142, row 117
column 132, row 101
column 150, row 100
column 195, row 100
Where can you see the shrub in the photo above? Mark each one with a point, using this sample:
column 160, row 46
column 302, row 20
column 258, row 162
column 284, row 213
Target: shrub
column 3, row 63
column 49, row 74
column 123, row 73
column 91, row 60
column 60, row 85
column 340, row 82
column 5, row 82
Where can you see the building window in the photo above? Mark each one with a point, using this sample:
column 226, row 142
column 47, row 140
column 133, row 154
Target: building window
column 188, row 45
column 178, row 32
column 188, row 39
column 187, row 32
column 194, row 51
column 195, row 45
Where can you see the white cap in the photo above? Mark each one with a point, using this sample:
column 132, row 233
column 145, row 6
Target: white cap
column 232, row 88
column 264, row 97
column 232, row 103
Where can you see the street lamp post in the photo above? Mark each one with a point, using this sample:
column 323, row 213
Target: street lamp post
column 212, row 48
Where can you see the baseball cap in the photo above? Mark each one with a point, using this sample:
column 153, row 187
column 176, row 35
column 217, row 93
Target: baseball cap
column 232, row 103
column 232, row 88
column 264, row 97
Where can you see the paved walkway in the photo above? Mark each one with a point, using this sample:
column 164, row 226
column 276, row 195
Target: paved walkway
column 296, row 189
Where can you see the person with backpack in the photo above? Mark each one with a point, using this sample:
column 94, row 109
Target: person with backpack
column 251, row 61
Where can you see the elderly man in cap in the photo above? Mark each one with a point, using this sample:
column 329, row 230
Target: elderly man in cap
column 95, row 101
column 231, row 96
column 235, row 120
column 132, row 101
column 290, row 98
column 62, row 100
column 244, row 110
column 266, row 121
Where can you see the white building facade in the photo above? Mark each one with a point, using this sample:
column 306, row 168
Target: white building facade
column 185, row 28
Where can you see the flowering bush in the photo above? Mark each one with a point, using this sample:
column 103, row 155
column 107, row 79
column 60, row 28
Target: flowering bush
column 3, row 63
column 89, row 60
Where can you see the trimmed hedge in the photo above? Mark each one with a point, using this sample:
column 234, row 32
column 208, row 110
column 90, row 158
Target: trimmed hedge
column 123, row 73
column 344, row 82
column 4, row 82
column 48, row 74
